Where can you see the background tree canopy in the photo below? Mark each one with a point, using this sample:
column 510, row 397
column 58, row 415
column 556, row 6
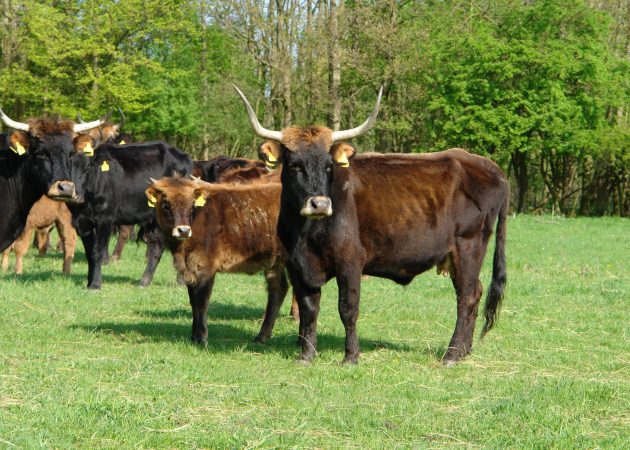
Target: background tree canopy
column 540, row 86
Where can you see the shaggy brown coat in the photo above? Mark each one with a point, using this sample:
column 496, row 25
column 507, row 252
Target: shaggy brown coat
column 392, row 216
column 232, row 229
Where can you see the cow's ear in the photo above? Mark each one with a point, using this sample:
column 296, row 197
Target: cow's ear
column 84, row 143
column 19, row 142
column 153, row 195
column 200, row 196
column 270, row 153
column 109, row 132
column 342, row 153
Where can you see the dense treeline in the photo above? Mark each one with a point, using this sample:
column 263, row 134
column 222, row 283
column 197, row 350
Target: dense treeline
column 540, row 86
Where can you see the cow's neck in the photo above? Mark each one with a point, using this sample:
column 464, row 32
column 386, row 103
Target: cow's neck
column 310, row 243
column 19, row 194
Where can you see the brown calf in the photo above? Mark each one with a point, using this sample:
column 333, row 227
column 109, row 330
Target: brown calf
column 43, row 215
column 221, row 228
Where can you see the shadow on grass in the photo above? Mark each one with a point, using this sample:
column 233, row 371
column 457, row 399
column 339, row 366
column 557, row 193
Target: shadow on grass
column 78, row 279
column 227, row 338
column 216, row 311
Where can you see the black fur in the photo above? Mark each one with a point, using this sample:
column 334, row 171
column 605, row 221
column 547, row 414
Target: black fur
column 116, row 197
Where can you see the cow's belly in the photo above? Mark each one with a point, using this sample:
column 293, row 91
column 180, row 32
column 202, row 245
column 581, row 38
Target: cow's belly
column 400, row 258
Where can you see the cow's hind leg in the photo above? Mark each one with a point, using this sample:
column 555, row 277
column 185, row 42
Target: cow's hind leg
column 5, row 258
column 20, row 247
column 155, row 248
column 42, row 236
column 349, row 285
column 68, row 239
column 199, row 296
column 124, row 233
column 277, row 287
column 466, row 266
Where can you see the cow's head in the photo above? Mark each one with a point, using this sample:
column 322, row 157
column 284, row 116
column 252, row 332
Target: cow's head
column 107, row 133
column 176, row 201
column 48, row 144
column 310, row 159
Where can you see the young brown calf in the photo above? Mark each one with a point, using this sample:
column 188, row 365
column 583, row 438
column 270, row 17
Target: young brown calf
column 43, row 215
column 221, row 228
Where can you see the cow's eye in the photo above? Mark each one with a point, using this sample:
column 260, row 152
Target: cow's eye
column 166, row 206
column 296, row 168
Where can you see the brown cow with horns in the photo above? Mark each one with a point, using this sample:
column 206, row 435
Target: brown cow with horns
column 392, row 216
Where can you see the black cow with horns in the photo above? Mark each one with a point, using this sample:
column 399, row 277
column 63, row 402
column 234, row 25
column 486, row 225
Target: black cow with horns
column 38, row 163
column 391, row 216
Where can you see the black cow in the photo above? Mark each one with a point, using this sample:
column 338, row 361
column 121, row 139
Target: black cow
column 110, row 190
column 37, row 164
column 391, row 216
column 4, row 142
column 210, row 170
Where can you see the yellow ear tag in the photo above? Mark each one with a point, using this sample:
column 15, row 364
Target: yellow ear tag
column 122, row 142
column 343, row 160
column 105, row 166
column 19, row 149
column 271, row 161
column 88, row 150
column 152, row 200
column 200, row 201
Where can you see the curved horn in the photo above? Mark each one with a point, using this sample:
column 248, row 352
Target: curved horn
column 152, row 180
column 364, row 127
column 79, row 118
column 12, row 123
column 122, row 116
column 258, row 128
column 81, row 127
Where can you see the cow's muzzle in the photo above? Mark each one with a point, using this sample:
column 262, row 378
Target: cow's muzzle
column 62, row 191
column 317, row 207
column 181, row 232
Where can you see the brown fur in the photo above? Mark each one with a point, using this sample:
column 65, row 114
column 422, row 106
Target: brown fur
column 40, row 127
column 294, row 138
column 235, row 231
column 104, row 133
column 43, row 215
column 393, row 216
column 249, row 174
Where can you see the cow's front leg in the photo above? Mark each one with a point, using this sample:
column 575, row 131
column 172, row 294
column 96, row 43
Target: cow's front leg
column 349, row 285
column 199, row 296
column 308, row 304
column 88, row 240
column 99, row 247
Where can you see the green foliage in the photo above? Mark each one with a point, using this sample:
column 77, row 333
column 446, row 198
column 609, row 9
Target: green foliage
column 541, row 87
column 115, row 368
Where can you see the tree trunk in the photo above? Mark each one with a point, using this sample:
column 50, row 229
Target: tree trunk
column 205, row 87
column 519, row 163
column 334, row 68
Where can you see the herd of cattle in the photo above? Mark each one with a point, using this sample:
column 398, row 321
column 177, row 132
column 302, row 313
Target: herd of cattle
column 325, row 212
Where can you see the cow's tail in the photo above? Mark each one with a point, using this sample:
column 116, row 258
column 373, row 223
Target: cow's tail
column 499, row 274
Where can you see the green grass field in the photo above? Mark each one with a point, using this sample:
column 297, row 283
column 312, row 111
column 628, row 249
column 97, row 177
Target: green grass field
column 115, row 368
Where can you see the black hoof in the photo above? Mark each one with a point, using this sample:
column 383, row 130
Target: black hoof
column 260, row 339
column 305, row 359
column 202, row 342
column 350, row 360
